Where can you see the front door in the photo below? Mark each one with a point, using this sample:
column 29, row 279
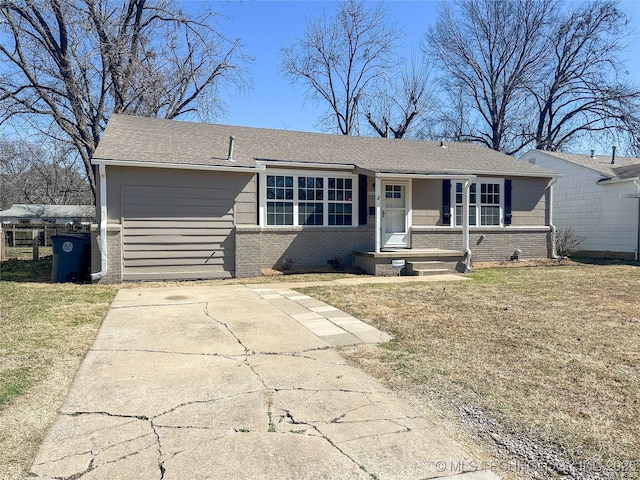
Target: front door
column 394, row 221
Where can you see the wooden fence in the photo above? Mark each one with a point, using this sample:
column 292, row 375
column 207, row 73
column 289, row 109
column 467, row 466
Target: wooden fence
column 21, row 235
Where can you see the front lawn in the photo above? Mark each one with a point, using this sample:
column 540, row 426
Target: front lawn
column 540, row 366
column 45, row 331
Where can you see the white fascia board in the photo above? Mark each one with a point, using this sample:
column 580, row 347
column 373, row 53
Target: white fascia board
column 179, row 166
column 284, row 164
column 609, row 181
column 519, row 174
column 405, row 176
column 312, row 172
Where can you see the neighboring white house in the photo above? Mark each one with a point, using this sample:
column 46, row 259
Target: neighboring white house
column 598, row 197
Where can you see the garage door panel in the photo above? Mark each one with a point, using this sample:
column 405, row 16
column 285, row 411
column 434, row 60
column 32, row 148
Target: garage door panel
column 178, row 223
column 177, row 233
column 161, row 240
column 177, row 273
column 176, row 262
column 180, row 202
column 191, row 251
column 151, row 212
column 221, row 192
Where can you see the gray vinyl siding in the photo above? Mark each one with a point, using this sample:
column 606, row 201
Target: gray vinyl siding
column 179, row 224
column 427, row 202
column 171, row 232
column 242, row 185
column 529, row 201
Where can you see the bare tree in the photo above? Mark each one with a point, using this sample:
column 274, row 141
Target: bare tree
column 401, row 101
column 582, row 90
column 340, row 59
column 33, row 172
column 490, row 53
column 74, row 62
column 449, row 120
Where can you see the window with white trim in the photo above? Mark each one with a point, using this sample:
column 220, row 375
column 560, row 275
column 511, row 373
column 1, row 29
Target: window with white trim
column 485, row 203
column 309, row 200
column 340, row 196
column 279, row 200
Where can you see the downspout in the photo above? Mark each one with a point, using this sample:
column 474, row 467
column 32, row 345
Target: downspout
column 465, row 224
column 552, row 227
column 636, row 182
column 103, row 224
column 378, row 214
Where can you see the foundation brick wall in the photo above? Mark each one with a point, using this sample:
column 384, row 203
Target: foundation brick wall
column 258, row 248
column 488, row 245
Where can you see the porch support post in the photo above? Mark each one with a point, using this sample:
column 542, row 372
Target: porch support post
column 262, row 198
column 466, row 186
column 378, row 213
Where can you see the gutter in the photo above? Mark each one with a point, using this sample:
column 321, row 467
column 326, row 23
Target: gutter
column 103, row 224
column 612, row 180
column 178, row 166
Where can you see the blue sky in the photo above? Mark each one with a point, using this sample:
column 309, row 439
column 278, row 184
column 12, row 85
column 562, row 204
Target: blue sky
column 265, row 26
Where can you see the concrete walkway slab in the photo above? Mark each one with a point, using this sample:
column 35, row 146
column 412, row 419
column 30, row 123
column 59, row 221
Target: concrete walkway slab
column 201, row 382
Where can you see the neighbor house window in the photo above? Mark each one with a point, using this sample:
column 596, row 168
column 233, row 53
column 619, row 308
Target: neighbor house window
column 305, row 200
column 485, row 203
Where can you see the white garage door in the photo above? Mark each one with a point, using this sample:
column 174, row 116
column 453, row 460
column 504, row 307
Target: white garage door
column 177, row 233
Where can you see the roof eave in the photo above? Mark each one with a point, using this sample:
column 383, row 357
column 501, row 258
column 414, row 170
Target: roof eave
column 297, row 164
column 178, row 166
column 612, row 180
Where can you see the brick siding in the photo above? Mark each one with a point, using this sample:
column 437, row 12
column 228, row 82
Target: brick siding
column 258, row 248
column 487, row 245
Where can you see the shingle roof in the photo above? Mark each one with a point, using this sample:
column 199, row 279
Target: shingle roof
column 156, row 141
column 625, row 167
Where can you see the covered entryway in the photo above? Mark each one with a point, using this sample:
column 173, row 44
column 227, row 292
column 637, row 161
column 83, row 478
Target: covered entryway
column 177, row 233
column 394, row 221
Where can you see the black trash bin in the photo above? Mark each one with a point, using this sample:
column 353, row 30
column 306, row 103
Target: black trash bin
column 71, row 258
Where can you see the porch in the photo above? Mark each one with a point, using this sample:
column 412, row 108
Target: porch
column 408, row 261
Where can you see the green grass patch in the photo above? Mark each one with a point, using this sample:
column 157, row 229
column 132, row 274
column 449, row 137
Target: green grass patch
column 16, row 270
column 14, row 383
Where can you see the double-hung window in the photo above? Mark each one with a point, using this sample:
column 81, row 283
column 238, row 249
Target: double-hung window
column 309, row 200
column 279, row 200
column 485, row 203
column 340, row 196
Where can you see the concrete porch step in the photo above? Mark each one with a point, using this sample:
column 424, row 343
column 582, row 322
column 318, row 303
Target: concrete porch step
column 425, row 268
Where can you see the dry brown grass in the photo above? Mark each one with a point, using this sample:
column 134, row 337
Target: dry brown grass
column 539, row 362
column 45, row 331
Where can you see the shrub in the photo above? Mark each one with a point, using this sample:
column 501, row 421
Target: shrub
column 568, row 241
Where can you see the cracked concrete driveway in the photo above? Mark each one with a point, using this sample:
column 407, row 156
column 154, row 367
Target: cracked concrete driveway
column 200, row 382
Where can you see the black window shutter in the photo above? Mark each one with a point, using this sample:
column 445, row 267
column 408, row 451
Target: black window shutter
column 362, row 199
column 507, row 202
column 446, row 202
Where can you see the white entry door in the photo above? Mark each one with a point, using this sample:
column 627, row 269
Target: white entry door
column 394, row 222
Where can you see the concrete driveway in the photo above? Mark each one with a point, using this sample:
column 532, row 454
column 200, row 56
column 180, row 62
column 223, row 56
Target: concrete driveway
column 237, row 382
